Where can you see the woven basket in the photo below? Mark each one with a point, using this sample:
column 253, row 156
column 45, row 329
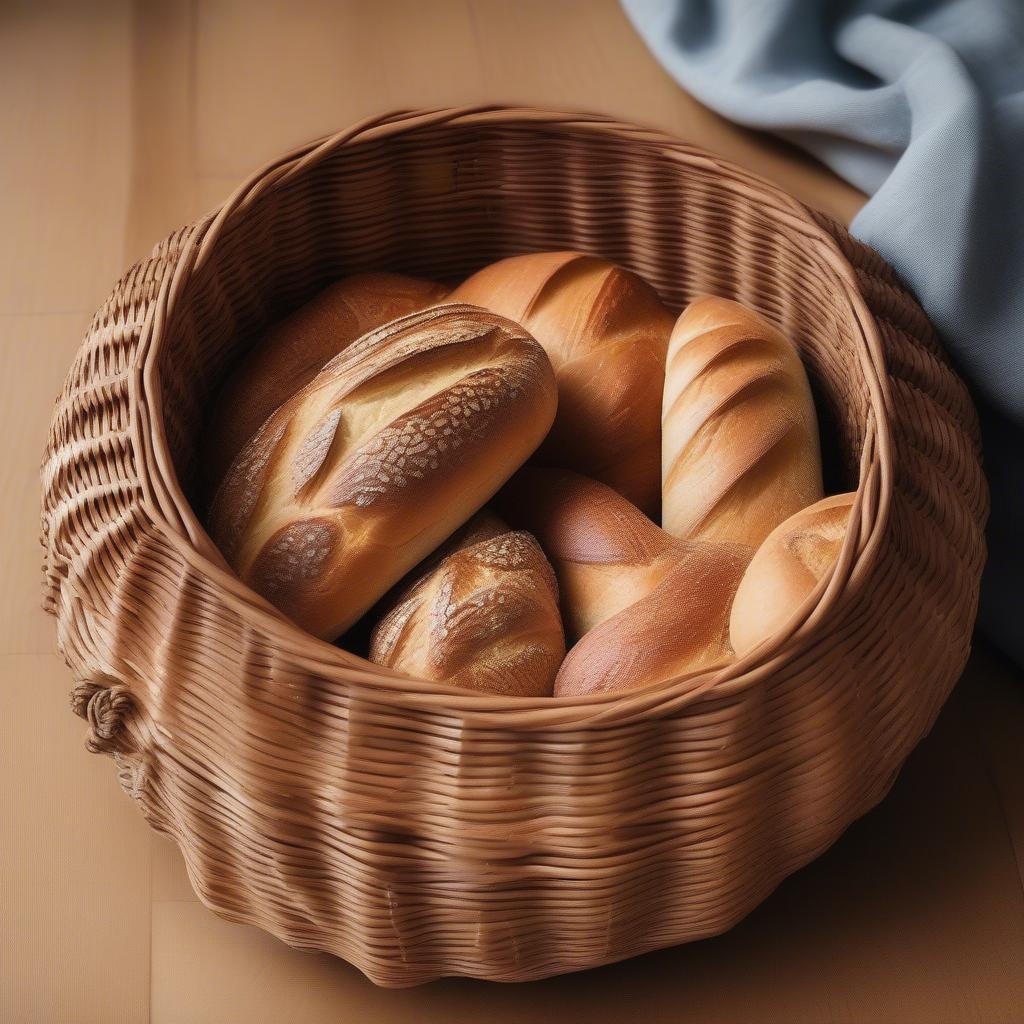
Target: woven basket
column 420, row 831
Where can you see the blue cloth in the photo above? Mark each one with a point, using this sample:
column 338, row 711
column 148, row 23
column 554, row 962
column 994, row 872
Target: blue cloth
column 919, row 103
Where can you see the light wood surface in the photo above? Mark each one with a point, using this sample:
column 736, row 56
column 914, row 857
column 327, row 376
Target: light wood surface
column 119, row 123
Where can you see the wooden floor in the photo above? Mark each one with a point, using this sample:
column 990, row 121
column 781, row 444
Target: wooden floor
column 120, row 122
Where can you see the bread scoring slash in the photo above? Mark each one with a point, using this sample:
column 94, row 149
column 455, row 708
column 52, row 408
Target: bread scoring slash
column 392, row 446
column 740, row 449
column 292, row 352
column 482, row 614
column 606, row 332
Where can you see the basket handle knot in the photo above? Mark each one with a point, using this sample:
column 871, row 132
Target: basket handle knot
column 104, row 707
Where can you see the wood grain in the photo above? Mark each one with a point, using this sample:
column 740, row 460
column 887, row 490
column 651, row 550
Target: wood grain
column 74, row 938
column 74, row 860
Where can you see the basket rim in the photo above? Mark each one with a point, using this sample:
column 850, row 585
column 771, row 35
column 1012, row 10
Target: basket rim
column 165, row 505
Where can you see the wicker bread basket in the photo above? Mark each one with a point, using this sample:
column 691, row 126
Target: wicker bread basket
column 419, row 831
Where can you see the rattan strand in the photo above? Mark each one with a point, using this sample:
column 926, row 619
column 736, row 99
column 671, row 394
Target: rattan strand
column 418, row 831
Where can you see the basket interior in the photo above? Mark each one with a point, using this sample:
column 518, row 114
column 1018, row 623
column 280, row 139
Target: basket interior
column 442, row 200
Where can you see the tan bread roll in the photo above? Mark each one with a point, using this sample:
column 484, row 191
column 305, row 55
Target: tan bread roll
column 606, row 332
column 785, row 570
column 605, row 552
column 394, row 444
column 681, row 626
column 740, row 448
column 641, row 606
column 484, row 616
column 296, row 349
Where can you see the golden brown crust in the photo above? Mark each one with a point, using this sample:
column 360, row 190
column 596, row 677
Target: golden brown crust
column 740, row 449
column 400, row 459
column 606, row 553
column 606, row 332
column 292, row 352
column 291, row 568
column 368, row 379
column 240, row 491
column 681, row 626
column 484, row 617
column 786, row 569
column 397, row 441
column 579, row 519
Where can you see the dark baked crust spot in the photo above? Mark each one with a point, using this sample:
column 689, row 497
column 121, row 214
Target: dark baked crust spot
column 292, row 562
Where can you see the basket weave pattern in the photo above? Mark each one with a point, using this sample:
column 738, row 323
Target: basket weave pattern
column 419, row 831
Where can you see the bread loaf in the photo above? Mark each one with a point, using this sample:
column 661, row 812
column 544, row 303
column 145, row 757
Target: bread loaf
column 483, row 616
column 605, row 552
column 785, row 570
column 681, row 626
column 293, row 352
column 606, row 332
column 394, row 444
column 740, row 449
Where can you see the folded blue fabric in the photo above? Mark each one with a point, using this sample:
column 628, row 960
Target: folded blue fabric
column 919, row 103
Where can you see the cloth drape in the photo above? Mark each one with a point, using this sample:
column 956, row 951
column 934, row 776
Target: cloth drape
column 919, row 103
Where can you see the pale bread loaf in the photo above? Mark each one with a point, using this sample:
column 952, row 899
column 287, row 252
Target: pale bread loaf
column 786, row 568
column 740, row 449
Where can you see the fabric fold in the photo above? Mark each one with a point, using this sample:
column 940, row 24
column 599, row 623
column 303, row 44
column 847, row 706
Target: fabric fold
column 921, row 105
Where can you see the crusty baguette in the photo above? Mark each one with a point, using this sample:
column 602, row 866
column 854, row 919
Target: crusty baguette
column 606, row 332
column 483, row 616
column 681, row 626
column 394, row 444
column 786, row 568
column 740, row 448
column 605, row 552
column 292, row 352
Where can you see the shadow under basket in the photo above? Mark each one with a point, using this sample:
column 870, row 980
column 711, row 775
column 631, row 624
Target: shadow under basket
column 416, row 830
